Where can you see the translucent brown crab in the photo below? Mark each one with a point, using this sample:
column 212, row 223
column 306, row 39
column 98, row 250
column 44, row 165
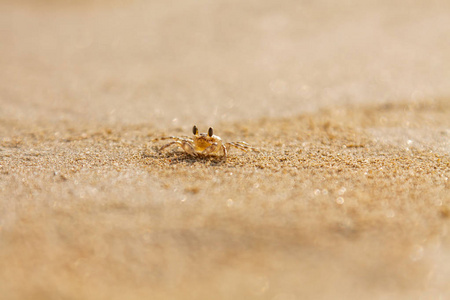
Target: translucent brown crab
column 205, row 144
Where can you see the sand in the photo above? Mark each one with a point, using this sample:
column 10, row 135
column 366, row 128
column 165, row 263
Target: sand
column 347, row 198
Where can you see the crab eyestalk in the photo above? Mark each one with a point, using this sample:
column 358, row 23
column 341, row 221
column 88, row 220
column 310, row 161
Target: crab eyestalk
column 195, row 130
column 210, row 131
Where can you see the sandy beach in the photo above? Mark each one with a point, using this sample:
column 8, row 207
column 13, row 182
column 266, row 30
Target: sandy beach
column 348, row 105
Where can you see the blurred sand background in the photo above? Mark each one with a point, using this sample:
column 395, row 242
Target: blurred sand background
column 348, row 101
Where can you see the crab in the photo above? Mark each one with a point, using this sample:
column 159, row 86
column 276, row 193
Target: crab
column 204, row 144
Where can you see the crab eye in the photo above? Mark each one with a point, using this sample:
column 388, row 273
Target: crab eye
column 195, row 130
column 210, row 131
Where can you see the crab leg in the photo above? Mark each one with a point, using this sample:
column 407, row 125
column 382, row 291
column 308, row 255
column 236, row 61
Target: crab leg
column 177, row 138
column 224, row 149
column 185, row 145
column 243, row 146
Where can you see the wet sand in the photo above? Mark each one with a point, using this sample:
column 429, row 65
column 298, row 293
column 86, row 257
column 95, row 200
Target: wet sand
column 348, row 198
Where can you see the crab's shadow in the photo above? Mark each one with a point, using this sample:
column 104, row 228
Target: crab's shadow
column 179, row 157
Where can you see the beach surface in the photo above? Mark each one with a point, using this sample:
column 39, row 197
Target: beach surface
column 348, row 104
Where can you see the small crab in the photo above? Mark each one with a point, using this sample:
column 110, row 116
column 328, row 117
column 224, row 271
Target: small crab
column 204, row 144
